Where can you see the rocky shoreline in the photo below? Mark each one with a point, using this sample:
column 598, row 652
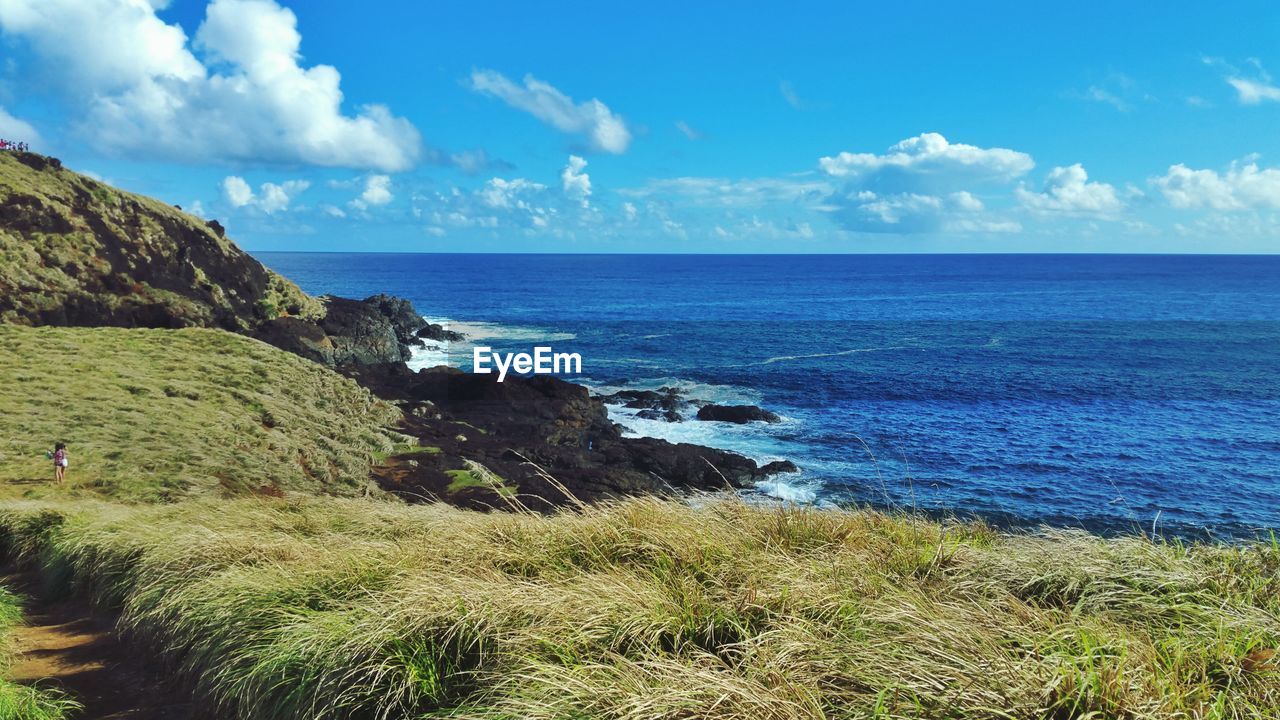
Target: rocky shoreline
column 127, row 260
column 543, row 440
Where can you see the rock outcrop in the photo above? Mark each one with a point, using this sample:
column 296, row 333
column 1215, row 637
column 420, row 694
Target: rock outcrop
column 739, row 414
column 528, row 430
column 74, row 251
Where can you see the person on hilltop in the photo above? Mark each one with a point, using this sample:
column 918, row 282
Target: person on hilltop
column 59, row 457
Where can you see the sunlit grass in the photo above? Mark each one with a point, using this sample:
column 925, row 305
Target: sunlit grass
column 655, row 609
column 21, row 702
column 162, row 414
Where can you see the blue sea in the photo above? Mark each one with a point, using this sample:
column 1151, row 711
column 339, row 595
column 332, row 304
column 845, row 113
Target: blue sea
column 1115, row 393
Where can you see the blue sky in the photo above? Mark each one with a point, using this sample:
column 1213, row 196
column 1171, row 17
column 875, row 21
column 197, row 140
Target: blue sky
column 678, row 127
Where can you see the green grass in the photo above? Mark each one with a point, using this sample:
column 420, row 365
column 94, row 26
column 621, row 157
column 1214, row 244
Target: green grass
column 647, row 608
column 21, row 702
column 407, row 450
column 64, row 225
column 165, row 414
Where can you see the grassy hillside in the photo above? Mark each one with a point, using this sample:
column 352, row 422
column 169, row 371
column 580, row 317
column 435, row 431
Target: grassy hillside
column 362, row 608
column 76, row 251
column 163, row 414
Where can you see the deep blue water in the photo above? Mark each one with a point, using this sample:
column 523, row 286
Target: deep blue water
column 1110, row 392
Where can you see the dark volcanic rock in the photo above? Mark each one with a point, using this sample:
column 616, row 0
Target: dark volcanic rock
column 432, row 331
column 371, row 331
column 513, row 426
column 298, row 337
column 779, row 466
column 739, row 414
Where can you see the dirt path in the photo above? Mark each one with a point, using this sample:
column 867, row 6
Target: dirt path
column 67, row 644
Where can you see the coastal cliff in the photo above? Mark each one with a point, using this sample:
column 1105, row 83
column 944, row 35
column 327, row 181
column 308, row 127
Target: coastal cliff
column 77, row 252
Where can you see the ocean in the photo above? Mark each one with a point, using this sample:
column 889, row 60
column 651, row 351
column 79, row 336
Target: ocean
column 1110, row 392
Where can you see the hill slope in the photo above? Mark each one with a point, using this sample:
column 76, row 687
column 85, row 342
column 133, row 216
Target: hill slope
column 158, row 414
column 74, row 251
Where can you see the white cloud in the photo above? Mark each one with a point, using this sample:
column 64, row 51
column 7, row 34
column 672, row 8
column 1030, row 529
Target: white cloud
column 1254, row 91
column 920, row 185
column 604, row 130
column 1243, row 186
column 505, row 194
column 688, row 130
column 913, row 213
column 1252, row 86
column 725, row 192
column 1068, row 190
column 377, row 191
column 270, row 198
column 930, row 155
column 12, row 128
column 789, row 94
column 144, row 91
column 1117, row 90
column 1102, row 95
column 237, row 191
column 577, row 184
column 629, row 211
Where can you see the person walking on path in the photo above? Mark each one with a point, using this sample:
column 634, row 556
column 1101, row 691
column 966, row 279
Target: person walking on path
column 59, row 463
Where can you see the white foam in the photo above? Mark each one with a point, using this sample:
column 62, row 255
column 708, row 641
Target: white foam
column 788, row 491
column 457, row 353
column 495, row 331
column 691, row 389
column 852, row 351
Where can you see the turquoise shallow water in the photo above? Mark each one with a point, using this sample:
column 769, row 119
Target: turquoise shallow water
column 1110, row 392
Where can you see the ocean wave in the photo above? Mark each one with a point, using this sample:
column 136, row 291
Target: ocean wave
column 458, row 353
column 691, row 389
column 853, row 351
column 789, row 490
column 482, row 330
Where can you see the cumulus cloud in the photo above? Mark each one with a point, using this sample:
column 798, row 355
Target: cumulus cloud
column 500, row 193
column 913, row 213
column 270, row 198
column 1243, row 186
column 237, row 191
column 12, row 128
column 930, row 156
column 577, row 184
column 377, row 191
column 592, row 119
column 1068, row 190
column 920, row 185
column 144, row 91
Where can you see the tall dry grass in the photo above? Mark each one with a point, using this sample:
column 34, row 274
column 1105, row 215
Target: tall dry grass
column 655, row 609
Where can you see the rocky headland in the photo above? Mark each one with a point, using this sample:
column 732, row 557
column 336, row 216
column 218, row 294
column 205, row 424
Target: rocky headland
column 81, row 253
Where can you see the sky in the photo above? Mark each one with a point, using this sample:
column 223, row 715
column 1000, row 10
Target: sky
column 711, row 127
